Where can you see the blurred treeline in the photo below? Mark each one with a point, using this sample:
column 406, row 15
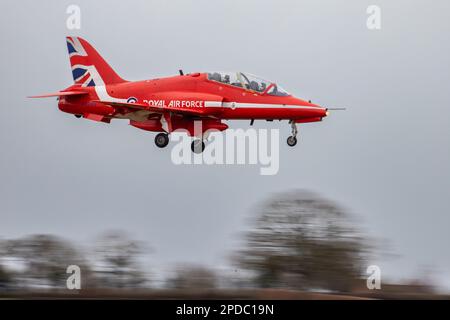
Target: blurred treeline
column 295, row 242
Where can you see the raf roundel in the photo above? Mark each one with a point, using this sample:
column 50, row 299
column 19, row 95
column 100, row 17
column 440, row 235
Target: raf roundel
column 131, row 100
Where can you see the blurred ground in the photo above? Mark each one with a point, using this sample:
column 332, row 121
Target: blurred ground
column 250, row 294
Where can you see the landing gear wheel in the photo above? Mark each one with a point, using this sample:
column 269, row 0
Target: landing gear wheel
column 197, row 146
column 78, row 116
column 291, row 141
column 162, row 140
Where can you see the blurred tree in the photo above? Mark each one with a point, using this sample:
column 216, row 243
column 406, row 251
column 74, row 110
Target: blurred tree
column 193, row 277
column 45, row 258
column 302, row 241
column 5, row 278
column 117, row 261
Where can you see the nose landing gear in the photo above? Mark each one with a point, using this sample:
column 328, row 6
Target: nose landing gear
column 292, row 140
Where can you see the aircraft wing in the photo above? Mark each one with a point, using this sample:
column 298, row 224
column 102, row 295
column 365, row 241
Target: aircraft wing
column 60, row 94
column 140, row 106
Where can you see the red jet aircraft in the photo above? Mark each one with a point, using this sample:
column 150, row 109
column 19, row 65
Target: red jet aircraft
column 166, row 104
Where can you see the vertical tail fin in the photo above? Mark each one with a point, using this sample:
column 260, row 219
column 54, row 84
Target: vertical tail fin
column 88, row 67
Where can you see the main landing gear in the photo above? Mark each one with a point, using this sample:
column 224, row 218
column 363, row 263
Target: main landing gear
column 162, row 140
column 197, row 146
column 292, row 140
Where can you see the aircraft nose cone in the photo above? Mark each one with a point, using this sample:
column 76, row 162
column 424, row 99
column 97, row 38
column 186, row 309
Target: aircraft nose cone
column 322, row 112
column 318, row 110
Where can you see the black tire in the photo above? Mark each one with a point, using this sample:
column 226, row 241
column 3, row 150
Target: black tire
column 162, row 140
column 291, row 141
column 78, row 116
column 197, row 146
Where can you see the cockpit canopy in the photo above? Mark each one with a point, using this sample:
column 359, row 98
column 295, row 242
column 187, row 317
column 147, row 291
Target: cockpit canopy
column 248, row 81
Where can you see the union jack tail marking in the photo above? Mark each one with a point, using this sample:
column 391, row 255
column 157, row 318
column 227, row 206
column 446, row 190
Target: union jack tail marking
column 88, row 67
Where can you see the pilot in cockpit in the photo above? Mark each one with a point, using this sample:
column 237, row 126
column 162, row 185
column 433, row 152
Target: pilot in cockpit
column 263, row 87
column 254, row 86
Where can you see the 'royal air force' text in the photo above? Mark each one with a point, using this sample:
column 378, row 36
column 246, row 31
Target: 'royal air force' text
column 175, row 103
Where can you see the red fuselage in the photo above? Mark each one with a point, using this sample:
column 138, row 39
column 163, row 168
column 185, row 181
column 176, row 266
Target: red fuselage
column 208, row 99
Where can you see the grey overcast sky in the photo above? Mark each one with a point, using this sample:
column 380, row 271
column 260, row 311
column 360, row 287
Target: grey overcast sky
column 386, row 158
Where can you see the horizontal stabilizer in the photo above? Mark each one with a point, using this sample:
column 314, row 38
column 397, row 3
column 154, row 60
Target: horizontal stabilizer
column 61, row 94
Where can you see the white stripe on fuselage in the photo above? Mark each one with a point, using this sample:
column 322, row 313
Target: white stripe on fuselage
column 213, row 104
column 233, row 105
column 100, row 87
column 103, row 95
